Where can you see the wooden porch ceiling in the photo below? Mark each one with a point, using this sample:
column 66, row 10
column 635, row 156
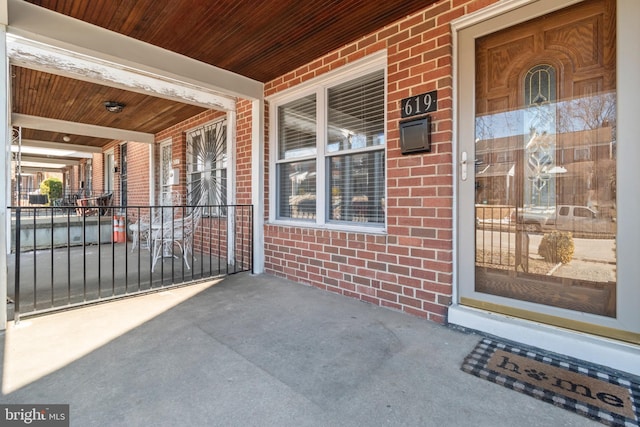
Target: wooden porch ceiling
column 257, row 39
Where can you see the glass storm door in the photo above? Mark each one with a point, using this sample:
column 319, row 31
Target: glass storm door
column 540, row 197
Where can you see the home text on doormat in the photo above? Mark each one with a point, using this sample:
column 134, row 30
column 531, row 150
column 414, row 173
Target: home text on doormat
column 609, row 397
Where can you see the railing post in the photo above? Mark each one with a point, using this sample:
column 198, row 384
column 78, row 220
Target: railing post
column 16, row 296
column 251, row 237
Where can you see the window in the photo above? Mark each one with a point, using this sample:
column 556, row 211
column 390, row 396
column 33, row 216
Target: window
column 330, row 161
column 580, row 212
column 581, row 154
column 504, row 157
column 207, row 164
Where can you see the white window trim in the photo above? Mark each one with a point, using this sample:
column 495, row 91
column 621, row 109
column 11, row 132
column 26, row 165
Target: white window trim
column 319, row 86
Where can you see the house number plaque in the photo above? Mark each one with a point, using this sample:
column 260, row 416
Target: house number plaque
column 420, row 104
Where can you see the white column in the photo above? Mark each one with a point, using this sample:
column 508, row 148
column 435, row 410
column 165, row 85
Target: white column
column 257, row 183
column 152, row 178
column 231, row 185
column 5, row 168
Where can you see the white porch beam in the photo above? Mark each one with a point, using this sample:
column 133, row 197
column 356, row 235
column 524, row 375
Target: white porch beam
column 49, row 160
column 35, row 55
column 33, row 170
column 107, row 53
column 61, row 146
column 54, row 125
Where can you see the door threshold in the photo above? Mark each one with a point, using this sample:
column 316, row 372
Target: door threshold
column 614, row 354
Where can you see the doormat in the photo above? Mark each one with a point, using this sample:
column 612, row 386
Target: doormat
column 595, row 392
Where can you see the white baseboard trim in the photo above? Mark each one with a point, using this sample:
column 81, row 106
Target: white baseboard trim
column 613, row 354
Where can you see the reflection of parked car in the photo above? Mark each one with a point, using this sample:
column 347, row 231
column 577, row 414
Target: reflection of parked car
column 535, row 218
column 581, row 220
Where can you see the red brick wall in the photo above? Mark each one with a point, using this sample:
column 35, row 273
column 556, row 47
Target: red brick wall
column 97, row 172
column 137, row 173
column 243, row 152
column 410, row 268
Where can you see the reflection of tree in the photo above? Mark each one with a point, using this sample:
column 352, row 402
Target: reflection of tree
column 498, row 125
column 587, row 113
column 588, row 126
column 577, row 152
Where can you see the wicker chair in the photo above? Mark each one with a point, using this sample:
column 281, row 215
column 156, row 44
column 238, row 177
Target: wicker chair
column 176, row 232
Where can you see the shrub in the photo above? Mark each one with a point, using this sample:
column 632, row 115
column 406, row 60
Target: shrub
column 557, row 247
column 51, row 187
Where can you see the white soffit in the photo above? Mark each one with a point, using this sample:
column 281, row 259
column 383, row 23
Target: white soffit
column 41, row 39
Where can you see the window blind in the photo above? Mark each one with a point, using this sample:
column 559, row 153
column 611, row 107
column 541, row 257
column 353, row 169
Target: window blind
column 297, row 125
column 356, row 113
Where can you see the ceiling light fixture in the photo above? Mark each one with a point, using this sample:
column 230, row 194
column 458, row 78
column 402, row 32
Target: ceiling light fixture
column 113, row 106
column 66, row 138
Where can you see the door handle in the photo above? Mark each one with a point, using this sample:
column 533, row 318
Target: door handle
column 463, row 166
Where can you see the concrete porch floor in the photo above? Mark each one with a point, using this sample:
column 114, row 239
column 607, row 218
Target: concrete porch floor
column 255, row 351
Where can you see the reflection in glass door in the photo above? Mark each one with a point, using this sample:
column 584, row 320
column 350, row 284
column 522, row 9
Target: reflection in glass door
column 545, row 161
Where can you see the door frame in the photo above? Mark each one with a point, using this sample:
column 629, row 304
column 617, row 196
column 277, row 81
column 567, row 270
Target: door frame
column 161, row 183
column 109, row 176
column 551, row 330
column 123, row 171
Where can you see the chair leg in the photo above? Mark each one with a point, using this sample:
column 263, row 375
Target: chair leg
column 183, row 249
column 157, row 252
column 147, row 237
column 134, row 239
column 185, row 256
column 188, row 248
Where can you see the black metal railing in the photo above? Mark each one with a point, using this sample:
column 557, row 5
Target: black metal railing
column 499, row 242
column 91, row 254
column 31, row 197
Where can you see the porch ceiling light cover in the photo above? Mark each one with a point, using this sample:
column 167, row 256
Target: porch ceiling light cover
column 113, row 106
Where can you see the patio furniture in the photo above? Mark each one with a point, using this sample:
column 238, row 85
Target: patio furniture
column 174, row 232
column 94, row 205
column 104, row 203
column 141, row 229
column 140, row 232
column 38, row 199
